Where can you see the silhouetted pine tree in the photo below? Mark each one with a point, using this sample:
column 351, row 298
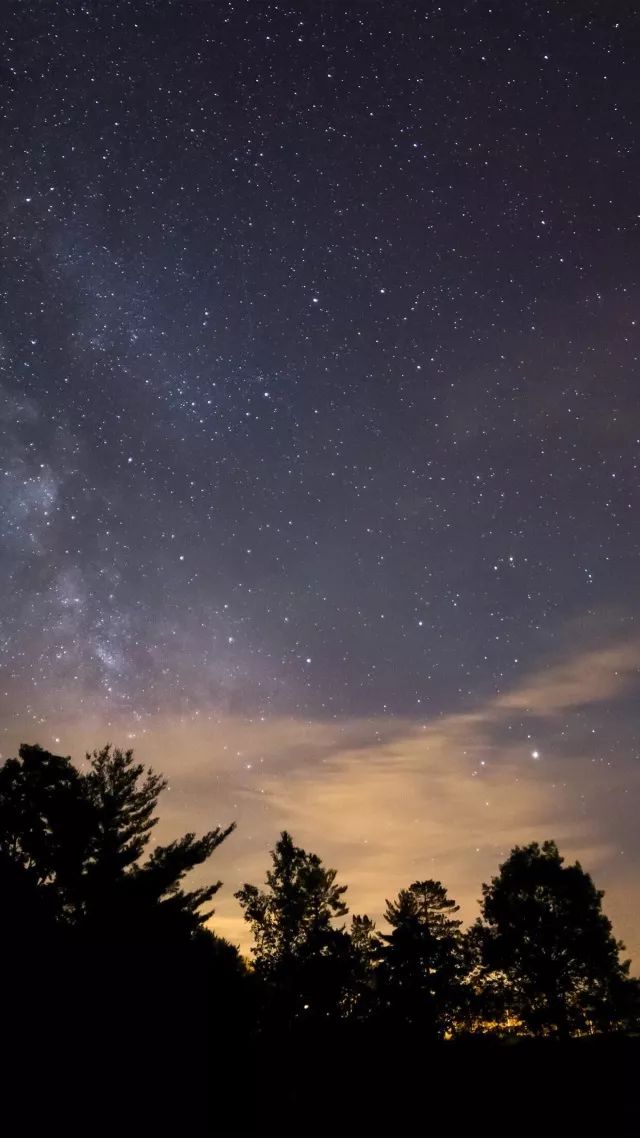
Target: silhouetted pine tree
column 120, row 892
column 77, row 839
column 422, row 963
column 107, row 943
column 366, row 948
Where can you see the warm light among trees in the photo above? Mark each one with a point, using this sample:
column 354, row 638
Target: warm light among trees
column 107, row 937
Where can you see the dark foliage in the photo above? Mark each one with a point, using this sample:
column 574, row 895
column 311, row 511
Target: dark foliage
column 303, row 960
column 113, row 979
column 422, row 962
column 124, row 1015
column 544, row 933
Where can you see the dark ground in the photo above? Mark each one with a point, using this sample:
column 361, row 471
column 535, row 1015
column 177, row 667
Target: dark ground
column 116, row 1052
column 317, row 1087
column 470, row 1087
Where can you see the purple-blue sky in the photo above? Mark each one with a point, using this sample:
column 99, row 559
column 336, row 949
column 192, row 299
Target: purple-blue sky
column 321, row 420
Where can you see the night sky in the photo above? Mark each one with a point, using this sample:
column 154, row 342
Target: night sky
column 320, row 424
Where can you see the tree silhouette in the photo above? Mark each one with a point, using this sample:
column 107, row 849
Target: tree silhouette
column 422, row 962
column 124, row 799
column 485, row 1005
column 121, row 891
column 45, row 826
column 100, row 934
column 543, row 929
column 365, row 954
column 73, row 841
column 297, row 950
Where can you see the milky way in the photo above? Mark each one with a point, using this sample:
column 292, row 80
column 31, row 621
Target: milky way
column 321, row 413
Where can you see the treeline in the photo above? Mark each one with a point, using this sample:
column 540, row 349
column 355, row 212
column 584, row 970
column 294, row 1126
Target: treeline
column 123, row 1013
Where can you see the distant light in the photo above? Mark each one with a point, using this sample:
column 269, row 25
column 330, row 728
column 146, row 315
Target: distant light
column 535, row 754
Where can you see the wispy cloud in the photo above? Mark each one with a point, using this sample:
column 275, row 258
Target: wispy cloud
column 387, row 801
column 584, row 678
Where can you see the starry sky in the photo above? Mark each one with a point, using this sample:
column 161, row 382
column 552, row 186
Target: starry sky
column 320, row 424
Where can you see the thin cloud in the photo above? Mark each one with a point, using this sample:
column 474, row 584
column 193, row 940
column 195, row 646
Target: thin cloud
column 584, row 678
column 386, row 801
